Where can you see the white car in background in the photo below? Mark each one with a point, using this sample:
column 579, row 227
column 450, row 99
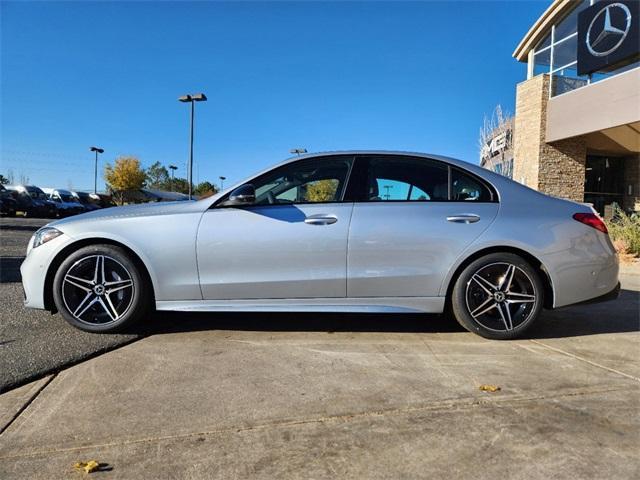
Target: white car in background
column 66, row 202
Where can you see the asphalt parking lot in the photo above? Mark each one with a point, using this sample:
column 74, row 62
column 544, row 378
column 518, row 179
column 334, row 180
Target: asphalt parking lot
column 319, row 396
column 33, row 342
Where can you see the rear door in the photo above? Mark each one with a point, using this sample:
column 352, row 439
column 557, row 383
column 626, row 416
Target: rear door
column 413, row 217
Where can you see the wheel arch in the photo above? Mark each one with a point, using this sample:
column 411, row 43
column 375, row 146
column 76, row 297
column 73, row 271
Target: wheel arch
column 49, row 304
column 532, row 259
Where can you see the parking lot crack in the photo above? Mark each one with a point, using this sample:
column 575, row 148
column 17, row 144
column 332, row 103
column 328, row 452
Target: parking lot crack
column 585, row 360
column 462, row 404
column 29, row 401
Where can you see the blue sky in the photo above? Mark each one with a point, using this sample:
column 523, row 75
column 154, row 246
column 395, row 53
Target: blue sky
column 326, row 76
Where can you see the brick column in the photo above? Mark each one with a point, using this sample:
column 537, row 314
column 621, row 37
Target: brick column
column 557, row 169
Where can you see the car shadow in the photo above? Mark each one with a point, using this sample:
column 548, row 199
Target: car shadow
column 10, row 269
column 615, row 316
column 19, row 228
column 618, row 316
column 177, row 322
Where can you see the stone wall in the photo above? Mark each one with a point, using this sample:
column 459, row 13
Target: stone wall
column 557, row 169
column 530, row 111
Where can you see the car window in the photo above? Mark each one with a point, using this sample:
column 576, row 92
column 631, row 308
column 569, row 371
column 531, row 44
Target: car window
column 406, row 179
column 317, row 180
column 465, row 188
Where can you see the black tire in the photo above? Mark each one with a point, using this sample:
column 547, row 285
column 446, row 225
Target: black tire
column 478, row 305
column 111, row 308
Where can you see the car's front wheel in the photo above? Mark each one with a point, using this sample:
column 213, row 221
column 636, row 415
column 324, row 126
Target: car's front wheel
column 99, row 288
column 497, row 296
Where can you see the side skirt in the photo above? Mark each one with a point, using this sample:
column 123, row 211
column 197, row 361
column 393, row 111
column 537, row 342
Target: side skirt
column 359, row 305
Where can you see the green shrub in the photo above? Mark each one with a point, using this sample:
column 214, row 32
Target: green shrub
column 625, row 232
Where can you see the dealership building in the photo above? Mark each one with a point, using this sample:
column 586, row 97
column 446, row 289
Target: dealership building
column 576, row 132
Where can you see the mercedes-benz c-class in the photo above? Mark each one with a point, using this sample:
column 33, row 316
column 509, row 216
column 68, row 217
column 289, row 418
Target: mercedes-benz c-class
column 332, row 232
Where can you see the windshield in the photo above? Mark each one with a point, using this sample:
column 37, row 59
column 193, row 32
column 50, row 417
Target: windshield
column 36, row 193
column 66, row 197
column 84, row 198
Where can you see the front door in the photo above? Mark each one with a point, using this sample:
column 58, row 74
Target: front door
column 292, row 243
column 414, row 217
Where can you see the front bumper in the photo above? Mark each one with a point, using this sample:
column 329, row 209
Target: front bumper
column 34, row 270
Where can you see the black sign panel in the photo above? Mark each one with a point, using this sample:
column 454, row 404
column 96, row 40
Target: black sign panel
column 608, row 35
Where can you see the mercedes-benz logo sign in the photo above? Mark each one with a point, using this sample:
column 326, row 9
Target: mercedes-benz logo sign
column 605, row 37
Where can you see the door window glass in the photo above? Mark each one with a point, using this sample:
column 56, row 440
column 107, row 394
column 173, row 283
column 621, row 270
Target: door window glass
column 406, row 179
column 465, row 188
column 317, row 180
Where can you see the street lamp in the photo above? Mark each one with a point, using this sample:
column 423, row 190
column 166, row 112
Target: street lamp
column 95, row 170
column 173, row 168
column 196, row 97
column 298, row 151
column 222, row 179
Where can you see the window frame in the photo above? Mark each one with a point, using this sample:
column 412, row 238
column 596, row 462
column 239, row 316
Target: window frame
column 319, row 159
column 358, row 182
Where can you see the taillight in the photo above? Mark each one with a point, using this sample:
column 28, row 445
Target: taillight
column 592, row 220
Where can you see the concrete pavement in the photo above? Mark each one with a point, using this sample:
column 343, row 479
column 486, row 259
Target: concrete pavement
column 225, row 399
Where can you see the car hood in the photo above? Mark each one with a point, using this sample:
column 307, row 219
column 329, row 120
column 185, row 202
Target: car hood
column 130, row 211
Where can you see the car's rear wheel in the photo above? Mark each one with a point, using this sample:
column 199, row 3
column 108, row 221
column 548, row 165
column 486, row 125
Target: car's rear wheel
column 99, row 288
column 498, row 296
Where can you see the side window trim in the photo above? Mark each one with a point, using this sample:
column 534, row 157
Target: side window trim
column 360, row 195
column 340, row 199
column 486, row 185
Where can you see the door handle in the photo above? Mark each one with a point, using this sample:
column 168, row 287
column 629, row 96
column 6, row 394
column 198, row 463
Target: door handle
column 320, row 219
column 464, row 218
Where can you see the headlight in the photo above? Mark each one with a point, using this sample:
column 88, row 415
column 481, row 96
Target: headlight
column 44, row 235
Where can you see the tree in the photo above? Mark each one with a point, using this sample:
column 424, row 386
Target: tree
column 180, row 185
column 205, row 189
column 3, row 180
column 125, row 175
column 322, row 191
column 157, row 176
column 496, row 133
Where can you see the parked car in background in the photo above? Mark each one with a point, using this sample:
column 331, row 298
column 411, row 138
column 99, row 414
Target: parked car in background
column 65, row 201
column 104, row 200
column 88, row 200
column 8, row 204
column 334, row 232
column 33, row 202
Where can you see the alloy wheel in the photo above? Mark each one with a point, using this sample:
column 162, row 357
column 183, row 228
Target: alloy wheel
column 500, row 296
column 97, row 290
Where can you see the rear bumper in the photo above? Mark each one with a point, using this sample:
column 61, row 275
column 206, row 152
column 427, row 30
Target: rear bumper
column 607, row 297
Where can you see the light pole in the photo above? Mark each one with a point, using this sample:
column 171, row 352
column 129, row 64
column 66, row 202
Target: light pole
column 196, row 97
column 95, row 170
column 173, row 168
column 298, row 151
column 222, row 179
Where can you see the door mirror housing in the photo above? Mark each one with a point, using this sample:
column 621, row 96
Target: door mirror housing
column 243, row 195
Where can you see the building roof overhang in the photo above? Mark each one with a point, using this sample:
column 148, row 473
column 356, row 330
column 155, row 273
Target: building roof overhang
column 556, row 11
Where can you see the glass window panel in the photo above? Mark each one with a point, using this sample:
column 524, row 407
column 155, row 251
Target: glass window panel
column 565, row 52
column 569, row 24
column 542, row 62
column 567, row 80
column 405, row 178
column 307, row 181
column 465, row 188
column 546, row 41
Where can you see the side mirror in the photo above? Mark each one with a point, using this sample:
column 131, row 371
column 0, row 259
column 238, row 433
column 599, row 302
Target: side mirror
column 243, row 195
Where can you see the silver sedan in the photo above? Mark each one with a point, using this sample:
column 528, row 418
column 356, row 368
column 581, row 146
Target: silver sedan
column 333, row 232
